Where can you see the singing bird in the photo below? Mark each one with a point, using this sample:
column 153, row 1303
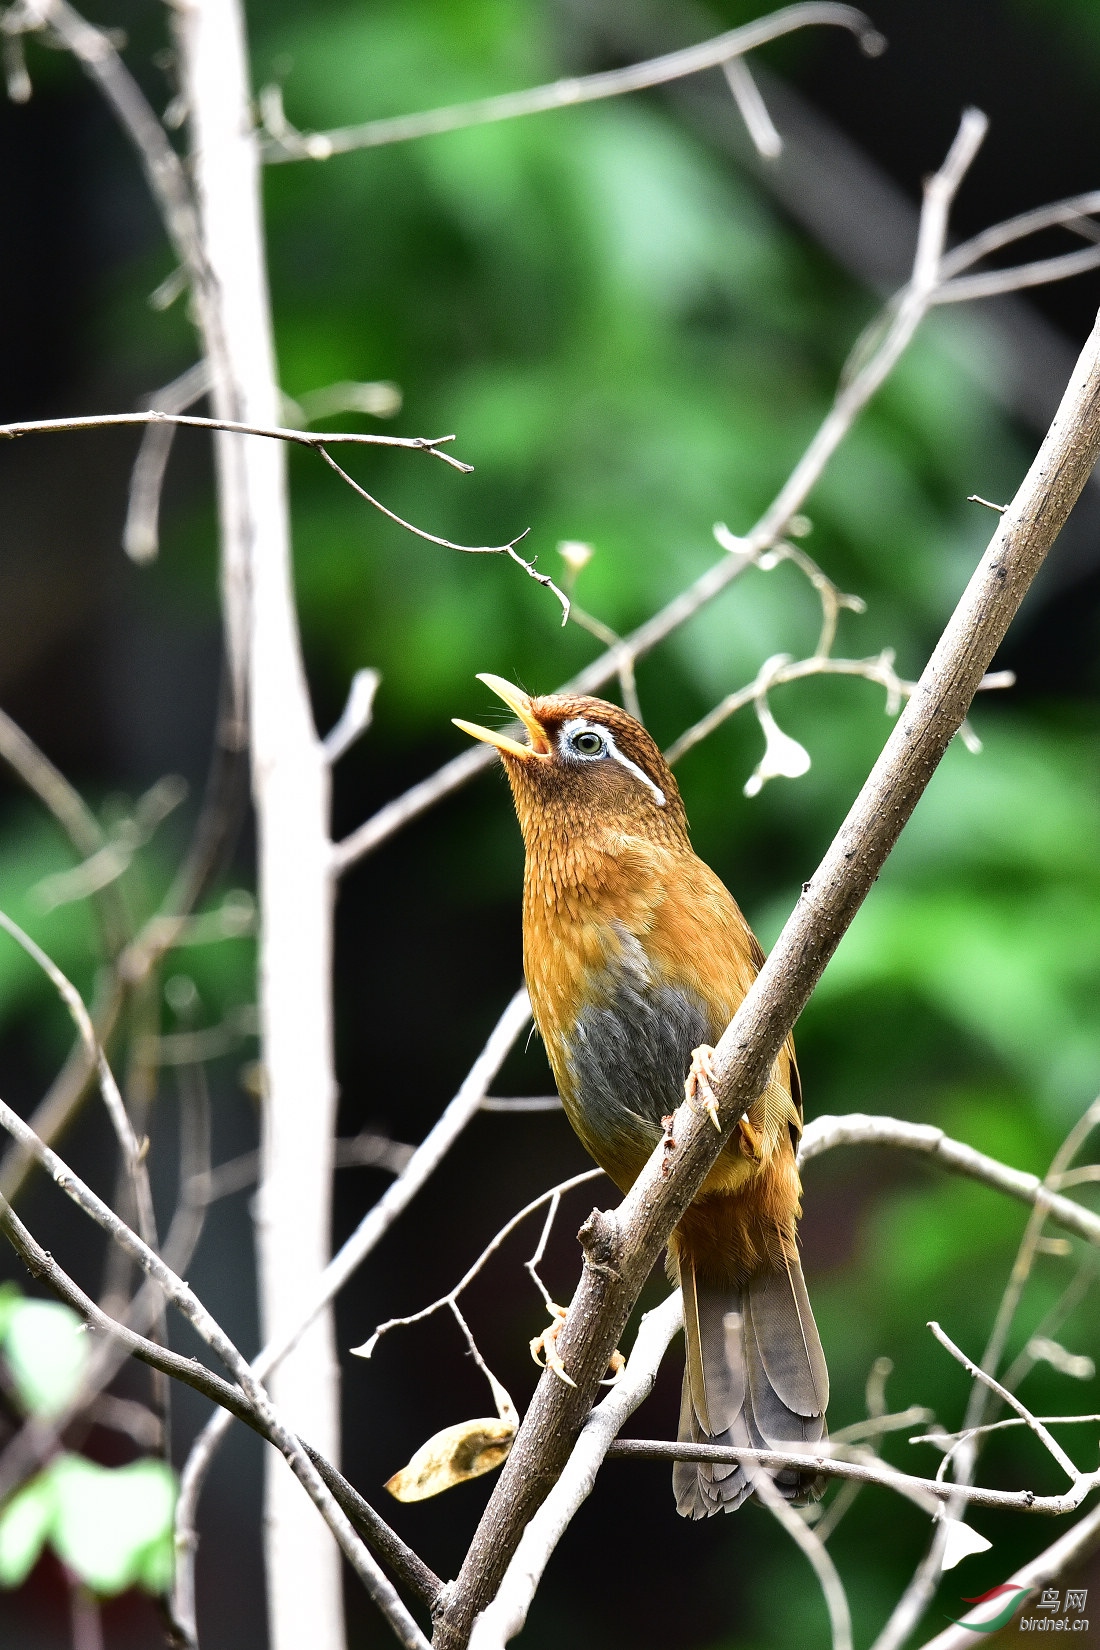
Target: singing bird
column 637, row 957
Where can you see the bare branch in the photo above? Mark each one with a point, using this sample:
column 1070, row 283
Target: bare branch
column 962, row 1456
column 133, row 1153
column 859, row 1129
column 141, row 533
column 997, row 282
column 879, row 669
column 188, row 1303
column 926, row 1492
column 535, row 1102
column 942, row 1440
column 804, row 1537
column 508, row 549
column 356, row 716
column 42, row 1265
column 502, row 1619
column 752, row 108
column 72, row 813
column 287, row 144
column 628, row 1242
column 421, row 1165
column 1073, row 213
column 271, row 432
column 976, row 1373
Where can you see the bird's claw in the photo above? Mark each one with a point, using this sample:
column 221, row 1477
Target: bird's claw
column 700, row 1082
column 546, row 1345
column 616, row 1364
column 545, row 1352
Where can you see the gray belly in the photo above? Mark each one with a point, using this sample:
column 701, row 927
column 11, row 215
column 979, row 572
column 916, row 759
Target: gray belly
column 631, row 1051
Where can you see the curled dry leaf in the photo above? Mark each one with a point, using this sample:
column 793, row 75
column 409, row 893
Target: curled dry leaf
column 463, row 1451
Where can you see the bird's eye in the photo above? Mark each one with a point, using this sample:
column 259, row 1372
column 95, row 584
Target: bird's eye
column 587, row 743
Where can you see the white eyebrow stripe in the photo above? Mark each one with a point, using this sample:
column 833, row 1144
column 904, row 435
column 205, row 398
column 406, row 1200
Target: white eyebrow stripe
column 580, row 724
column 632, row 767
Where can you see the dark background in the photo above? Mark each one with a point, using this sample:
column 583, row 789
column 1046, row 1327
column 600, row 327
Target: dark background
column 632, row 326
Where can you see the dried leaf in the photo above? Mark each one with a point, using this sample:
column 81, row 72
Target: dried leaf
column 463, row 1451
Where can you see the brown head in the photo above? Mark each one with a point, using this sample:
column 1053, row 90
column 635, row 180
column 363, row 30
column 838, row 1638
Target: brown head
column 589, row 767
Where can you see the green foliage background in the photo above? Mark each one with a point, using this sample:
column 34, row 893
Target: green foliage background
column 631, row 343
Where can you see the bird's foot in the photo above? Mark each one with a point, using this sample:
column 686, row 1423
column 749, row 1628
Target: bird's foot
column 699, row 1083
column 751, row 1140
column 544, row 1348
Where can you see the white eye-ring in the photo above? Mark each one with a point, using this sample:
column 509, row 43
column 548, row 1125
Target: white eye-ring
column 584, row 741
column 587, row 742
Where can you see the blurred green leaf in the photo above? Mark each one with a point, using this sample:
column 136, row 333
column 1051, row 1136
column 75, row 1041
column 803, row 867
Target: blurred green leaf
column 10, row 1297
column 46, row 1351
column 24, row 1525
column 113, row 1526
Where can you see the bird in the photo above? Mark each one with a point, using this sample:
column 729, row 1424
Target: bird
column 636, row 958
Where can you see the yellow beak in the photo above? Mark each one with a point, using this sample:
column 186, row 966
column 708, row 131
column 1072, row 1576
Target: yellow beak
column 518, row 702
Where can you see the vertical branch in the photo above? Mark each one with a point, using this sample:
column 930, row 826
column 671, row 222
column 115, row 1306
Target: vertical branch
column 291, row 792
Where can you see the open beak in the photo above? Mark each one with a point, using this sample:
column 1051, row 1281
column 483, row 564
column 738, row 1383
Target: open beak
column 519, row 703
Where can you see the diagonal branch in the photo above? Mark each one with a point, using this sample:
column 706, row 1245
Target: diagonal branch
column 188, row 1304
column 375, row 1223
column 413, row 1572
column 1054, row 1561
column 621, row 1248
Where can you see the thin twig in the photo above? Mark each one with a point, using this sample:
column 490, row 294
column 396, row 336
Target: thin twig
column 141, row 532
column 997, row 282
column 552, row 1196
column 297, row 438
column 1052, row 1321
column 508, row 549
column 879, row 669
column 942, row 1439
column 917, row 1596
column 814, row 1549
column 976, row 1373
column 1072, row 213
column 74, row 816
column 286, row 144
column 133, row 1154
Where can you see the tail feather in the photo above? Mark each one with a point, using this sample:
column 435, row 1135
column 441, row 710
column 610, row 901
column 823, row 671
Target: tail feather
column 787, row 1338
column 755, row 1378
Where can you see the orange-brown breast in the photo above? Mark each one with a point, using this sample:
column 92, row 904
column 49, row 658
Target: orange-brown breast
column 636, row 942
